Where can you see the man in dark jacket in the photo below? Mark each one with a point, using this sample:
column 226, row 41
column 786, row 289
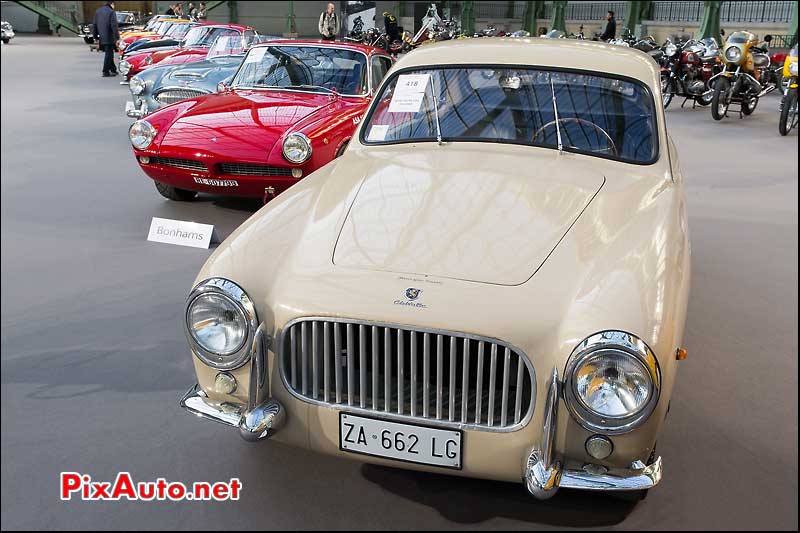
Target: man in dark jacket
column 106, row 31
column 391, row 28
column 611, row 28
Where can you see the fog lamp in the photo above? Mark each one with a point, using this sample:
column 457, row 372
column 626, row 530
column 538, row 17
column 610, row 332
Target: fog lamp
column 143, row 159
column 599, row 446
column 297, row 173
column 224, row 383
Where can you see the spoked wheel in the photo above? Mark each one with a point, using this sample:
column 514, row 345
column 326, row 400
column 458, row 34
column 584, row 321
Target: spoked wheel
column 750, row 105
column 667, row 91
column 721, row 99
column 788, row 113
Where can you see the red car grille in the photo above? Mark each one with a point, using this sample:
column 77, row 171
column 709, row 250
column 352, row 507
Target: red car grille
column 185, row 164
column 246, row 169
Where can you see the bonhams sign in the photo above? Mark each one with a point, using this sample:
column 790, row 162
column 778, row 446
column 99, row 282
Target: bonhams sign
column 180, row 232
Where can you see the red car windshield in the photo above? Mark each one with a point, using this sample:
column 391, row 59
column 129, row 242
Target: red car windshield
column 204, row 36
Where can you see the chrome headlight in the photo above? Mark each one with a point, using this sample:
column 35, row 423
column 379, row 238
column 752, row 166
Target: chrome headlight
column 137, row 85
column 296, row 148
column 733, row 54
column 141, row 134
column 220, row 323
column 124, row 67
column 148, row 60
column 612, row 383
column 670, row 50
column 793, row 68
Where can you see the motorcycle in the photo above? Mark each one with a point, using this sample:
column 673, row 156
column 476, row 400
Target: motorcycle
column 687, row 69
column 744, row 78
column 356, row 35
column 488, row 31
column 789, row 111
column 7, row 32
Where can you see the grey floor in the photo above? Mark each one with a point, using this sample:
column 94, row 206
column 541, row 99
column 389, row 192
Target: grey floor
column 93, row 356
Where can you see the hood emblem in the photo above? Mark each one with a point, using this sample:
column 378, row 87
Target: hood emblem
column 413, row 294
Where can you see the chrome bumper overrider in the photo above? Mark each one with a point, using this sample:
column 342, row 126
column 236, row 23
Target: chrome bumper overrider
column 254, row 424
column 262, row 416
column 544, row 474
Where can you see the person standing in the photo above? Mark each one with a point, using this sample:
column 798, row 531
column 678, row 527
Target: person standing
column 106, row 32
column 329, row 24
column 170, row 10
column 202, row 13
column 611, row 28
column 391, row 28
column 191, row 11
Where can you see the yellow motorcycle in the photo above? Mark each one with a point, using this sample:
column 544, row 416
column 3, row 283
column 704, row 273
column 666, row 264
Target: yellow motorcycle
column 789, row 103
column 745, row 77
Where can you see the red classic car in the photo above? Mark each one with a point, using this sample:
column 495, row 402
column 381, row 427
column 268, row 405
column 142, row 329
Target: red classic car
column 291, row 108
column 193, row 48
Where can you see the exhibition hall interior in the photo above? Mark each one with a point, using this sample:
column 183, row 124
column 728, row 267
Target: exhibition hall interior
column 370, row 265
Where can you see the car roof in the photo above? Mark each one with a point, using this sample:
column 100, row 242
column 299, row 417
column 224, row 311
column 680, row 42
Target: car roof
column 328, row 44
column 556, row 53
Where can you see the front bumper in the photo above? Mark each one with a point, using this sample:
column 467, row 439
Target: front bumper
column 544, row 474
column 136, row 108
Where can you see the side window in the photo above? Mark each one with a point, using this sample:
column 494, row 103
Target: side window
column 249, row 38
column 380, row 66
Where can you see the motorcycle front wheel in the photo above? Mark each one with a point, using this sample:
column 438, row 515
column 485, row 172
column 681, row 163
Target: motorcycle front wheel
column 721, row 99
column 788, row 113
column 667, row 89
column 750, row 106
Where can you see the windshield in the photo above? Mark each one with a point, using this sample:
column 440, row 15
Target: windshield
column 596, row 115
column 227, row 45
column 204, row 36
column 178, row 31
column 125, row 18
column 740, row 37
column 304, row 67
column 163, row 27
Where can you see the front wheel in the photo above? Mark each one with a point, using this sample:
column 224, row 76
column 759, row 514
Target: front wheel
column 173, row 193
column 6, row 40
column 721, row 99
column 788, row 113
column 750, row 106
column 88, row 40
column 667, row 91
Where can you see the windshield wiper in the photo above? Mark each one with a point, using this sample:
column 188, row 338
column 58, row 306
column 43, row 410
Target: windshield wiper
column 306, row 86
column 436, row 112
column 555, row 112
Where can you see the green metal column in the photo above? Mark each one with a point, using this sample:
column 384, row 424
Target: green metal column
column 533, row 8
column 233, row 10
column 709, row 26
column 399, row 9
column 291, row 26
column 510, row 9
column 633, row 15
column 793, row 26
column 558, row 22
column 468, row 18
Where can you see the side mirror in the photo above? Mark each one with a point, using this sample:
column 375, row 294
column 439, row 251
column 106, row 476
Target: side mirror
column 768, row 38
column 223, row 86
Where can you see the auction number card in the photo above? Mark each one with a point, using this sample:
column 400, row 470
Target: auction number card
column 409, row 93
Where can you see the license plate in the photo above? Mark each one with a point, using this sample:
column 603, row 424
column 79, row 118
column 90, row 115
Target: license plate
column 402, row 442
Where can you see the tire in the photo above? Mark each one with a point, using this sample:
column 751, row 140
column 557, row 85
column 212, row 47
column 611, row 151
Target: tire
column 720, row 102
column 341, row 149
column 173, row 193
column 6, row 40
column 667, row 92
column 629, row 496
column 788, row 112
column 748, row 109
column 88, row 40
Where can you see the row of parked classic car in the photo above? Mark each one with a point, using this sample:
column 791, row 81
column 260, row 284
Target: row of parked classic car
column 473, row 260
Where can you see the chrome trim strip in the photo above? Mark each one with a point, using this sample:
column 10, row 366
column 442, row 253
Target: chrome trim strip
column 362, row 361
column 637, row 477
column 389, row 413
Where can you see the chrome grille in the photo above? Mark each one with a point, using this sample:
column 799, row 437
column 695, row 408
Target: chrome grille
column 440, row 378
column 185, row 164
column 170, row 96
column 246, row 169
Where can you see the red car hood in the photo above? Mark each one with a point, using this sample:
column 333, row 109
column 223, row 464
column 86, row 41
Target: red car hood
column 244, row 125
column 188, row 54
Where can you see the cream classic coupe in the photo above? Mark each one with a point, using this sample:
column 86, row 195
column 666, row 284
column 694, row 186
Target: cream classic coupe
column 490, row 282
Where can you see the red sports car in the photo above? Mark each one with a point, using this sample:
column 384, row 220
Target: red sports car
column 291, row 108
column 193, row 48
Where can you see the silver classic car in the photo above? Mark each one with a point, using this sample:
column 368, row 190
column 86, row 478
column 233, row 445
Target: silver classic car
column 491, row 281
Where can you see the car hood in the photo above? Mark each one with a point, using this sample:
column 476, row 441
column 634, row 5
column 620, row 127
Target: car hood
column 205, row 72
column 243, row 123
column 449, row 213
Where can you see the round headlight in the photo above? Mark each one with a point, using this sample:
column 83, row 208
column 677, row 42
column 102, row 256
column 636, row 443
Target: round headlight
column 220, row 323
column 670, row 50
column 141, row 134
column 733, row 54
column 793, row 68
column 124, row 67
column 216, row 323
column 296, row 148
column 612, row 382
column 137, row 85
